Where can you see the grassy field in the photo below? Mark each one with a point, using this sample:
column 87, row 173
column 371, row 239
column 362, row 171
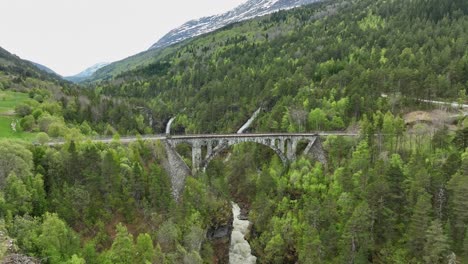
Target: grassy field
column 8, row 102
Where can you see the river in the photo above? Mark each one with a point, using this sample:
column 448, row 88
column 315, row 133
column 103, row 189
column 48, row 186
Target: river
column 240, row 251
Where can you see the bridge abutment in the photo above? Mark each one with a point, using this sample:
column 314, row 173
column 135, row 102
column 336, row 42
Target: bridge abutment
column 177, row 169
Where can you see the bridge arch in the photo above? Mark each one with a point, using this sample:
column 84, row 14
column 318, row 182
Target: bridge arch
column 270, row 143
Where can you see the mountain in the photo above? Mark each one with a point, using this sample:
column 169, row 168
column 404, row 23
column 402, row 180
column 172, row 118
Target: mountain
column 15, row 67
column 248, row 10
column 44, row 68
column 177, row 37
column 86, row 73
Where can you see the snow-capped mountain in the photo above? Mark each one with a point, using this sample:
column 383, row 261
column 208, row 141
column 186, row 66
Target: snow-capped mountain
column 86, row 73
column 248, row 10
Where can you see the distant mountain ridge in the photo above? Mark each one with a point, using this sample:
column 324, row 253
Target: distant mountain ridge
column 86, row 73
column 248, row 10
column 15, row 66
column 44, row 68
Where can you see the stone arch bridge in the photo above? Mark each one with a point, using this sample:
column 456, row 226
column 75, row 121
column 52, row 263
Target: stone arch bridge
column 207, row 147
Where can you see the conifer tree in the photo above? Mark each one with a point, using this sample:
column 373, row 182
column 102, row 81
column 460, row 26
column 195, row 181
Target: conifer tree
column 436, row 248
column 420, row 221
column 122, row 250
column 144, row 249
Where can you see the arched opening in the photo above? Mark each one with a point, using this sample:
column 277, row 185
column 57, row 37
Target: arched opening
column 226, row 145
column 184, row 150
column 301, row 146
column 238, row 169
column 278, row 144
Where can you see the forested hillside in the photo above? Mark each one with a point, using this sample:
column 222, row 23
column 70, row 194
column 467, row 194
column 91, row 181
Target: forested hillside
column 337, row 56
column 397, row 193
column 34, row 102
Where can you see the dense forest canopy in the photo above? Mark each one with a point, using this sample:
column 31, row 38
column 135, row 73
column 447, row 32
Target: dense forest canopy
column 397, row 193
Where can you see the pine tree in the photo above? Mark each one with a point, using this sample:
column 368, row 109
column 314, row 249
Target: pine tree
column 311, row 250
column 420, row 221
column 159, row 255
column 122, row 250
column 144, row 249
column 465, row 244
column 395, row 179
column 160, row 189
column 436, row 248
column 458, row 187
column 357, row 239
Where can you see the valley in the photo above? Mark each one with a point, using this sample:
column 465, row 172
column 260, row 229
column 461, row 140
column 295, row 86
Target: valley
column 324, row 122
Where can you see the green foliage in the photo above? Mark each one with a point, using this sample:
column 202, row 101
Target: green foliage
column 17, row 196
column 42, row 138
column 436, row 246
column 15, row 158
column 144, row 250
column 420, row 222
column 23, row 110
column 168, row 234
column 57, row 241
column 122, row 251
column 387, row 197
column 371, row 21
column 304, row 83
column 458, row 187
column 76, row 260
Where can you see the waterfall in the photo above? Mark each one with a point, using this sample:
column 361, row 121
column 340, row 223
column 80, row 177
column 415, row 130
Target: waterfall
column 239, row 251
column 249, row 122
column 168, row 126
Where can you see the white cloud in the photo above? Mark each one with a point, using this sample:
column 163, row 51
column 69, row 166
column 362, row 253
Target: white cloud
column 71, row 35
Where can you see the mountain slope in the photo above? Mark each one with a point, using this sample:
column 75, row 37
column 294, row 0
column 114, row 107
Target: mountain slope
column 15, row 66
column 86, row 73
column 32, row 100
column 44, row 68
column 288, row 61
column 253, row 8
column 248, row 10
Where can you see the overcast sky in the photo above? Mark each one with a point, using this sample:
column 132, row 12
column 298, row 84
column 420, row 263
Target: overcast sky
column 71, row 35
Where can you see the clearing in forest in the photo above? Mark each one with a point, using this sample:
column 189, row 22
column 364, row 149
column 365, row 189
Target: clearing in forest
column 8, row 101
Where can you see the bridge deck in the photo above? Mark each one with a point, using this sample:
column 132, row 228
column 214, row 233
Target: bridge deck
column 211, row 136
column 315, row 134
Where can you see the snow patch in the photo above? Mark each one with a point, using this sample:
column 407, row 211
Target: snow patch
column 248, row 10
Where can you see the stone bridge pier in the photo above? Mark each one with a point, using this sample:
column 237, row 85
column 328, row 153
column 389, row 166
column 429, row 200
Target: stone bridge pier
column 205, row 148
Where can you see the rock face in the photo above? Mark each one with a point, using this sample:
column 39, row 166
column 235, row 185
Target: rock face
column 219, row 234
column 19, row 259
column 248, row 10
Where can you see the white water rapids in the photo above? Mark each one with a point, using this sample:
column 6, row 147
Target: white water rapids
column 239, row 251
